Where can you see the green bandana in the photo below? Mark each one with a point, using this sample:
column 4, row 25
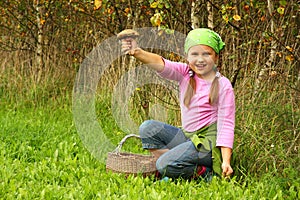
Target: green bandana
column 206, row 37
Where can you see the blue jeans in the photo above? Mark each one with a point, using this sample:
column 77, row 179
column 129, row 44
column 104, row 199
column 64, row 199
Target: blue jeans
column 182, row 158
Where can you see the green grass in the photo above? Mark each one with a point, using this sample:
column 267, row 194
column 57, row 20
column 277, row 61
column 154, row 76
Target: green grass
column 42, row 157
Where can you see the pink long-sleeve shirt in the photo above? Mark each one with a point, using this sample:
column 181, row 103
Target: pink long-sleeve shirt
column 200, row 113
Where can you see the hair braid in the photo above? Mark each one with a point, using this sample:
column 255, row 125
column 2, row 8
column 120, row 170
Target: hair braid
column 214, row 90
column 191, row 89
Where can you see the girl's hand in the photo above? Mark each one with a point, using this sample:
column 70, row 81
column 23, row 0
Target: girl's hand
column 128, row 45
column 226, row 157
column 227, row 170
column 128, row 41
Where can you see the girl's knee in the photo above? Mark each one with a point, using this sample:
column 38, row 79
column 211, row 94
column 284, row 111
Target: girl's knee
column 145, row 127
column 164, row 163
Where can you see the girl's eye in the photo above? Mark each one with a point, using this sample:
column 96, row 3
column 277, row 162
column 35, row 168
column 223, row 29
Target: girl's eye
column 206, row 54
column 195, row 54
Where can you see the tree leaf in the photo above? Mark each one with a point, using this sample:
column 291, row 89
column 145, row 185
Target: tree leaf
column 289, row 48
column 280, row 10
column 154, row 4
column 97, row 4
column 236, row 17
column 167, row 5
column 160, row 6
column 279, row 54
column 226, row 18
column 156, row 19
column 283, row 2
column 42, row 22
column 289, row 58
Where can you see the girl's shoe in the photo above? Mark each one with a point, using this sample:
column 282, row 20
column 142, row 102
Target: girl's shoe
column 203, row 172
column 157, row 175
column 165, row 179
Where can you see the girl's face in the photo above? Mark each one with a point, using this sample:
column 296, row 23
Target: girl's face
column 202, row 60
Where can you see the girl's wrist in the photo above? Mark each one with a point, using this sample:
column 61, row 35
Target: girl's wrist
column 135, row 52
column 226, row 162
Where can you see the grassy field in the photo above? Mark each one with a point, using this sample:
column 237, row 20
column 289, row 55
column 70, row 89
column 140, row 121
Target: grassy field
column 42, row 157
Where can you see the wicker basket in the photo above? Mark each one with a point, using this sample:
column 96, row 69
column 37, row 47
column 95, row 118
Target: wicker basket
column 129, row 163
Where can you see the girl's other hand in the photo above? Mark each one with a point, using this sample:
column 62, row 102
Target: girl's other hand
column 227, row 169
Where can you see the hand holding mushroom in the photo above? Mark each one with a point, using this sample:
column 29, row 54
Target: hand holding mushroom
column 128, row 41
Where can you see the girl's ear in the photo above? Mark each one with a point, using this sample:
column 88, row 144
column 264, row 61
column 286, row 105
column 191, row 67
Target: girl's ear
column 217, row 57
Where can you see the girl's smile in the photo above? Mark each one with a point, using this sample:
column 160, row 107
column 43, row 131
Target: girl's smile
column 202, row 60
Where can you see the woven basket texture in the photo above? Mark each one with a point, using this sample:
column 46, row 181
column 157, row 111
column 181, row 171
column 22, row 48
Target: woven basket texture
column 130, row 163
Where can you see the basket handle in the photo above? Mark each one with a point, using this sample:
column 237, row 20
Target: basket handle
column 118, row 149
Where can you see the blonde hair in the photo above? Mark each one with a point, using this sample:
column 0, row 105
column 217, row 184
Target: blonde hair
column 214, row 91
column 191, row 88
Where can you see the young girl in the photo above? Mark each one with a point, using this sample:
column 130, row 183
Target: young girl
column 207, row 104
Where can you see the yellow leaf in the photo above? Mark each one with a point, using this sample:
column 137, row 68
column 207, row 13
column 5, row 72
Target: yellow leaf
column 236, row 17
column 225, row 17
column 127, row 10
column 229, row 7
column 42, row 22
column 280, row 10
column 279, row 54
column 154, row 4
column 289, row 58
column 97, row 4
column 156, row 19
column 289, row 48
column 157, row 22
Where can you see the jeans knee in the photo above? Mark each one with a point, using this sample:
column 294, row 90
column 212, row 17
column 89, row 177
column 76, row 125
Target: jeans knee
column 145, row 127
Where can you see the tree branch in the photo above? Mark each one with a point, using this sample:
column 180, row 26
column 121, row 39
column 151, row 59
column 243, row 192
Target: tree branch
column 231, row 24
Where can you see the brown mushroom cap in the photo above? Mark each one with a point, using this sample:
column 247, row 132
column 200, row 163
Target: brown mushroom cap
column 127, row 33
